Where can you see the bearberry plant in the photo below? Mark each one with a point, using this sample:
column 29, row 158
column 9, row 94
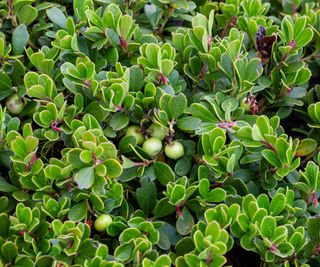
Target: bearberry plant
column 158, row 133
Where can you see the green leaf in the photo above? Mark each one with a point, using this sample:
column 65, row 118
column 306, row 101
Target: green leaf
column 313, row 227
column 27, row 14
column 163, row 208
column 146, row 196
column 303, row 76
column 9, row 250
column 216, row 195
column 57, row 17
column 163, row 172
column 177, row 105
column 230, row 104
column 199, row 111
column 218, row 261
column 184, row 246
column 254, row 70
column 119, row 121
column 188, row 124
column 85, row 177
column 136, row 78
column 123, row 252
column 5, row 85
column 183, row 166
column 5, row 224
column 114, row 168
column 77, row 212
column 19, row 147
column 268, row 226
column 305, row 37
column 20, row 38
column 184, row 222
column 306, row 147
column 129, row 235
column 6, row 187
column 271, row 157
column 163, row 260
column 178, row 193
column 277, row 205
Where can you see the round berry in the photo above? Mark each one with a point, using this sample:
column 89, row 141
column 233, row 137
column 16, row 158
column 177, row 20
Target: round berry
column 14, row 104
column 174, row 150
column 152, row 146
column 244, row 103
column 135, row 131
column 102, row 222
column 158, row 131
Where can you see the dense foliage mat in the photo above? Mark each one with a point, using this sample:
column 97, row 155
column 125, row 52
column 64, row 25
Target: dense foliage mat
column 159, row 133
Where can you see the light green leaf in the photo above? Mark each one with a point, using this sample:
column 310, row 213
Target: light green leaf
column 20, row 38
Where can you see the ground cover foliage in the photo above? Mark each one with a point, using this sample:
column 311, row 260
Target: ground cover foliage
column 159, row 133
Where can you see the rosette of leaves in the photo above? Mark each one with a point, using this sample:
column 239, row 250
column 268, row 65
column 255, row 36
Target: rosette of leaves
column 24, row 11
column 267, row 227
column 209, row 61
column 144, row 101
column 166, row 14
column 81, row 76
column 28, row 229
column 178, row 194
column 157, row 61
column 55, row 209
column 171, row 107
column 221, row 158
column 308, row 184
column 116, row 99
column 41, row 87
column 291, row 34
column 211, row 244
column 279, row 241
column 180, row 4
column 55, row 116
column 24, row 148
column 223, row 214
column 10, row 245
column 137, row 240
column 71, row 243
column 93, row 160
column 230, row 10
column 7, row 124
column 290, row 75
column 66, row 38
column 101, row 258
column 111, row 27
column 280, row 151
column 27, row 173
column 211, row 112
column 11, row 67
column 194, row 47
column 314, row 114
column 101, row 197
column 163, row 260
column 254, row 17
column 44, row 59
column 50, row 117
